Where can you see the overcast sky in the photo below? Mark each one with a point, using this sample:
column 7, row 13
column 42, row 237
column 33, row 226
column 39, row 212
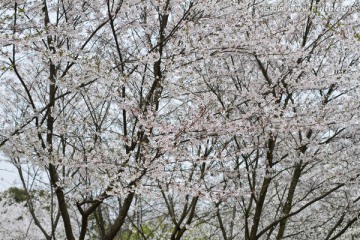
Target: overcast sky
column 8, row 174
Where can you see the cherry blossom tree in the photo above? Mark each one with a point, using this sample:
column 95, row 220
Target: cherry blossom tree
column 177, row 119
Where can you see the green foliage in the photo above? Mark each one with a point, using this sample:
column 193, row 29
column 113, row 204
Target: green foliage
column 357, row 36
column 136, row 235
column 148, row 230
column 18, row 194
column 129, row 235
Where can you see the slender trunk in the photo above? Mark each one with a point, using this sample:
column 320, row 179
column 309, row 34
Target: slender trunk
column 266, row 182
column 288, row 204
column 120, row 220
column 54, row 177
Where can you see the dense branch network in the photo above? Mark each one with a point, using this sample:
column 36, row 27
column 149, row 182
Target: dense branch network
column 180, row 119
